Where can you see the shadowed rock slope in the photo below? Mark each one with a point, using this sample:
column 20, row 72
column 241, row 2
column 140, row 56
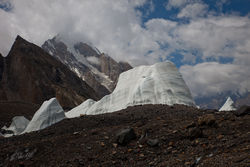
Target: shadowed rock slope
column 31, row 75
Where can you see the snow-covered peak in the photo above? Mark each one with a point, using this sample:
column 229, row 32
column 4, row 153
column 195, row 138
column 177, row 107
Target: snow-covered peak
column 160, row 83
column 228, row 105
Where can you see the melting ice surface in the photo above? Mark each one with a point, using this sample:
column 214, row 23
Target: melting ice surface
column 49, row 113
column 160, row 83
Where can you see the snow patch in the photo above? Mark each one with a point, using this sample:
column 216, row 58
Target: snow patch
column 93, row 60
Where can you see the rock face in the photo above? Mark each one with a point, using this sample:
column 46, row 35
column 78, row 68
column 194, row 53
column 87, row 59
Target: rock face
column 29, row 74
column 228, row 106
column 157, row 84
column 97, row 69
column 48, row 114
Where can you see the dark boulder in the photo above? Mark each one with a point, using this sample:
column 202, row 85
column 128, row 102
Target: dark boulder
column 195, row 133
column 244, row 110
column 124, row 136
column 153, row 142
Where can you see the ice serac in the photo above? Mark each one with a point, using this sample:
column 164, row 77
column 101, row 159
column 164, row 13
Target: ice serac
column 48, row 114
column 80, row 110
column 228, row 106
column 161, row 83
column 18, row 125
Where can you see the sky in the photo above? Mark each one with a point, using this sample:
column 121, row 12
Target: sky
column 208, row 40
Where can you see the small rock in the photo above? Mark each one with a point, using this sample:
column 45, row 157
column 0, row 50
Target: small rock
column 171, row 143
column 102, row 144
column 153, row 142
column 191, row 125
column 21, row 164
column 4, row 131
column 89, row 148
column 220, row 137
column 141, row 155
column 81, row 162
column 187, row 163
column 114, row 145
column 195, row 133
column 208, row 119
column 125, row 136
column 75, row 133
column 129, row 150
column 244, row 110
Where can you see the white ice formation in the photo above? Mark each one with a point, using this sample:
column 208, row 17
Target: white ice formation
column 160, row 83
column 228, row 105
column 48, row 114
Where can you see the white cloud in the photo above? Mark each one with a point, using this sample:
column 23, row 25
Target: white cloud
column 193, row 10
column 207, row 79
column 176, row 4
column 115, row 27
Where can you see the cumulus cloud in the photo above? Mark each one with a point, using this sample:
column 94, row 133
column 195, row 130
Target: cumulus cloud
column 193, row 10
column 210, row 78
column 109, row 24
column 176, row 4
column 116, row 28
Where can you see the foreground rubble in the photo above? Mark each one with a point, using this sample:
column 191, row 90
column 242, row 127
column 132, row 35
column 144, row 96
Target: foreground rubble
column 161, row 135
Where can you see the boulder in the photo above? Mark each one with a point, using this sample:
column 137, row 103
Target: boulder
column 244, row 110
column 124, row 136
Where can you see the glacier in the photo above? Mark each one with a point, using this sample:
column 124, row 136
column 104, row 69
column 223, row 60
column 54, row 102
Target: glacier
column 77, row 111
column 228, row 105
column 160, row 83
column 48, row 114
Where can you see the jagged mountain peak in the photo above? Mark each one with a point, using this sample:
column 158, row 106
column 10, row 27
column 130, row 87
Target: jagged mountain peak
column 99, row 70
column 30, row 74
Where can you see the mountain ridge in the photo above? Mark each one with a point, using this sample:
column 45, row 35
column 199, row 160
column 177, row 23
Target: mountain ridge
column 99, row 70
column 30, row 74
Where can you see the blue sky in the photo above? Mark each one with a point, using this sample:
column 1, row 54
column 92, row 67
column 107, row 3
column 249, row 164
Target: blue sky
column 157, row 9
column 208, row 40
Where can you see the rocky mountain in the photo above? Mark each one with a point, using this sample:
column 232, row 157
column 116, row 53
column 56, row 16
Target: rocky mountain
column 29, row 74
column 97, row 69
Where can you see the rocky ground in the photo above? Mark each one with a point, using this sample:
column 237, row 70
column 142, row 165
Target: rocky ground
column 149, row 135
